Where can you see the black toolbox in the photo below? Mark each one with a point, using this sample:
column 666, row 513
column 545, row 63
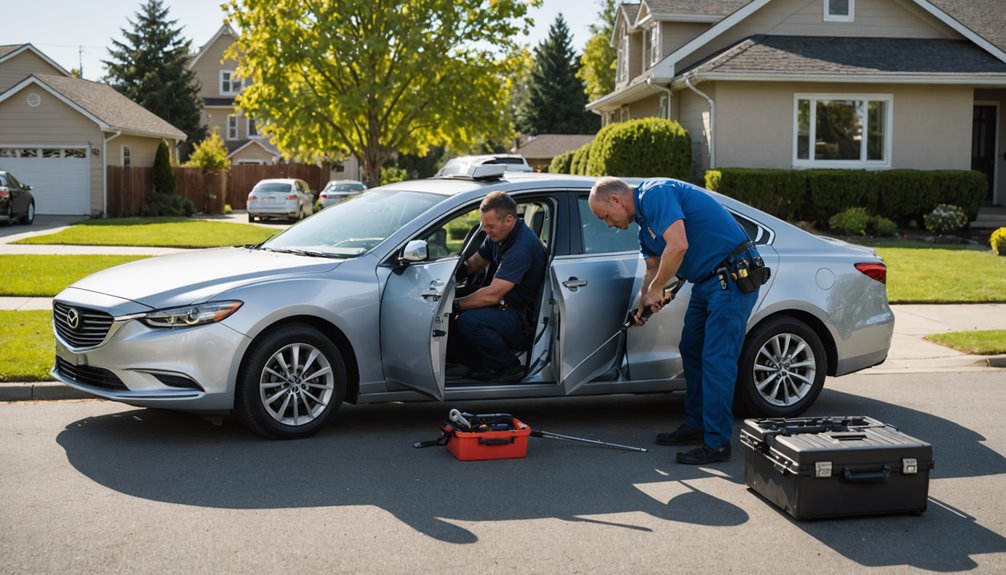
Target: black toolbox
column 816, row 467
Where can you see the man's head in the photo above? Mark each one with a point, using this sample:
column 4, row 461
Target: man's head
column 498, row 215
column 611, row 201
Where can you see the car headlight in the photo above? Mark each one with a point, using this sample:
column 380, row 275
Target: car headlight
column 191, row 315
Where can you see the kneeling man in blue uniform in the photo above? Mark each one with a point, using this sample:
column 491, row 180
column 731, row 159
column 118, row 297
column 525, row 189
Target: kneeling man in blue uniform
column 684, row 231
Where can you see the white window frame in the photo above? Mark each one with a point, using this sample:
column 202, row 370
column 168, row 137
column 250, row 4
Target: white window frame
column 125, row 156
column 861, row 163
column 655, row 43
column 623, row 114
column 250, row 125
column 830, row 17
column 232, row 127
column 622, row 73
column 664, row 108
column 234, row 85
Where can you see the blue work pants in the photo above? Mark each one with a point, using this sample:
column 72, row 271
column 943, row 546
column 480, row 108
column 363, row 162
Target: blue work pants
column 711, row 342
column 485, row 337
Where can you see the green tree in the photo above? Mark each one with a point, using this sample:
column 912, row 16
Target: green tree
column 164, row 176
column 377, row 77
column 210, row 154
column 556, row 99
column 150, row 67
column 597, row 65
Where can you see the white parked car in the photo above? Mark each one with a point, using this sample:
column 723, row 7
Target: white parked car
column 285, row 199
column 464, row 164
column 339, row 190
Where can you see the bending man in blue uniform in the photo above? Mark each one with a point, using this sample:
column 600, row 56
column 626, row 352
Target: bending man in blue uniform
column 683, row 231
column 490, row 322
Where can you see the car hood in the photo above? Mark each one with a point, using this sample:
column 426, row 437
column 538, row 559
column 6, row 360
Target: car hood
column 186, row 278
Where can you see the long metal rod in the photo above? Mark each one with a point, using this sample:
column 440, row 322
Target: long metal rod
column 550, row 435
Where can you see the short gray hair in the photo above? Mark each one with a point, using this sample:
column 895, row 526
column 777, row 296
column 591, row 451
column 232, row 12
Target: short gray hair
column 499, row 202
column 609, row 186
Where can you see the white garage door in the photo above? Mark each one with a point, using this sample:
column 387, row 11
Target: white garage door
column 60, row 177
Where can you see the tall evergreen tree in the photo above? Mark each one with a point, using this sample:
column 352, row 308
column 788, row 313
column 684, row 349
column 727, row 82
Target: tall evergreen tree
column 150, row 67
column 556, row 100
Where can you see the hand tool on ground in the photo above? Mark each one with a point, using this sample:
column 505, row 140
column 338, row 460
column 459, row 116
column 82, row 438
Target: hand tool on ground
column 550, row 435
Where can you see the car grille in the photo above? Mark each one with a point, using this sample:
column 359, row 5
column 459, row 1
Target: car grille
column 90, row 329
column 87, row 375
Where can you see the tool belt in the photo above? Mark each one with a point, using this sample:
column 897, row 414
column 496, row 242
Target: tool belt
column 748, row 272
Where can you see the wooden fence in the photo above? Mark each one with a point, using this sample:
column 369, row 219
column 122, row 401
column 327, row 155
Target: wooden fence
column 209, row 191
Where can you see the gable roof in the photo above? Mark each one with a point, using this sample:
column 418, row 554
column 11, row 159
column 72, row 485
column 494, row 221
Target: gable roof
column 852, row 59
column 985, row 17
column 102, row 104
column 9, row 51
column 692, row 10
column 225, row 29
column 551, row 145
column 235, row 147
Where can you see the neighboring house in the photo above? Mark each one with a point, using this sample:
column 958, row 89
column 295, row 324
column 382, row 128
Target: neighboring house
column 220, row 85
column 857, row 84
column 539, row 150
column 59, row 134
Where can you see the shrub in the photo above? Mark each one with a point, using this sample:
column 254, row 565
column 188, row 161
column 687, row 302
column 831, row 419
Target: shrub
column 392, row 174
column 998, row 241
column 946, row 219
column 228, row 209
column 578, row 164
column 210, row 154
column 164, row 176
column 648, row 147
column 882, row 227
column 833, row 191
column 560, row 164
column 850, row 222
column 162, row 199
column 781, row 193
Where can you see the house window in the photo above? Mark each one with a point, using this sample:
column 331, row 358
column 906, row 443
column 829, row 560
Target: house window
column 839, row 10
column 229, row 83
column 252, row 129
column 655, row 44
column 623, row 114
column 622, row 74
column 126, row 157
column 232, row 127
column 665, row 107
column 852, row 131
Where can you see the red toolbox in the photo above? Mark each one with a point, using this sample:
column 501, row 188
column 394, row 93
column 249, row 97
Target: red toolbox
column 816, row 467
column 477, row 445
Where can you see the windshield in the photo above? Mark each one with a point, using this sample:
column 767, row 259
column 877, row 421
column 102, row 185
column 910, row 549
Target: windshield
column 354, row 227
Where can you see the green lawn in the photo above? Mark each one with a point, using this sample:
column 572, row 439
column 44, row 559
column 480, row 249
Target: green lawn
column 26, row 345
column 943, row 275
column 155, row 232
column 46, row 276
column 983, row 342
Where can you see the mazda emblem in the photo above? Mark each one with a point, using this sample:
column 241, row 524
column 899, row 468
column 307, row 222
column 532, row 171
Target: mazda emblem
column 72, row 318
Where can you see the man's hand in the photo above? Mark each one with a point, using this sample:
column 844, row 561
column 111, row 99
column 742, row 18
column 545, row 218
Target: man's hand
column 648, row 305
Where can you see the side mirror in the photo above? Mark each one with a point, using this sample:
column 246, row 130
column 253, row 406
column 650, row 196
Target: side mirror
column 415, row 251
column 27, row 188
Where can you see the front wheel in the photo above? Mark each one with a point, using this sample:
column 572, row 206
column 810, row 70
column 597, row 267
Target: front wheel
column 782, row 369
column 29, row 216
column 291, row 382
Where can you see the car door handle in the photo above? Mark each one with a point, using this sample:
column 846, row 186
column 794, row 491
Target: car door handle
column 574, row 283
column 434, row 290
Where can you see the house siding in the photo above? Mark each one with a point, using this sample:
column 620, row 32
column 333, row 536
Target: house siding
column 52, row 122
column 693, row 114
column 252, row 154
column 21, row 66
column 141, row 150
column 874, row 18
column 207, row 69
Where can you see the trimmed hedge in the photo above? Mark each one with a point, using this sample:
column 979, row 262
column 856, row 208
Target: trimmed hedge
column 560, row 164
column 647, row 147
column 904, row 196
column 578, row 165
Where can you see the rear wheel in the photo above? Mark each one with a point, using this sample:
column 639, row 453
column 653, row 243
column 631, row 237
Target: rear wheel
column 29, row 216
column 782, row 369
column 292, row 381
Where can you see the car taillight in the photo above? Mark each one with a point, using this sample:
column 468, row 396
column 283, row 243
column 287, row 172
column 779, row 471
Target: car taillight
column 324, row 196
column 4, row 194
column 292, row 197
column 252, row 197
column 874, row 271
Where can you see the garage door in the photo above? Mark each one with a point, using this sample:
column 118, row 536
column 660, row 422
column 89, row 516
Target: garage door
column 60, row 177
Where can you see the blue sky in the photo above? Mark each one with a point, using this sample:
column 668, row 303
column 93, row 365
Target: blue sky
column 75, row 33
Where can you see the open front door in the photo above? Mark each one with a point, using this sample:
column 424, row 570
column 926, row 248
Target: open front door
column 414, row 317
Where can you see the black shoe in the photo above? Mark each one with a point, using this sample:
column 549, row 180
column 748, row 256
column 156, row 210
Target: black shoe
column 704, row 454
column 683, row 435
column 502, row 375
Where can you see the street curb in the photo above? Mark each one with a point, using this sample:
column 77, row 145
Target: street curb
column 996, row 361
column 40, row 391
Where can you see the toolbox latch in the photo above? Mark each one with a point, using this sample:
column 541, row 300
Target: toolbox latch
column 909, row 466
column 822, row 469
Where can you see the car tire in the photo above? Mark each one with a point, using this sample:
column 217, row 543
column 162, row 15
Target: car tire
column 782, row 369
column 251, row 219
column 272, row 390
column 29, row 216
column 11, row 219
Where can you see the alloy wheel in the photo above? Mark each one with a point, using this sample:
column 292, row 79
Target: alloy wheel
column 785, row 369
column 296, row 384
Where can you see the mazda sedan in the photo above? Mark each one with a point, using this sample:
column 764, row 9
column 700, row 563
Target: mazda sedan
column 352, row 305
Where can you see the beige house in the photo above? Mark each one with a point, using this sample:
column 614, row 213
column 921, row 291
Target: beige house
column 857, row 84
column 220, row 85
column 59, row 134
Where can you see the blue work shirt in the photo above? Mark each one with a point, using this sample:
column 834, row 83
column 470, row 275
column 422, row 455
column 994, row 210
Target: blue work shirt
column 711, row 230
column 521, row 261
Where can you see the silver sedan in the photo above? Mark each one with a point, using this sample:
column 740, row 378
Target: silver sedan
column 352, row 305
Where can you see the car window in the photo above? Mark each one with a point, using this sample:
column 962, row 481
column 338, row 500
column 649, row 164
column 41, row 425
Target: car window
column 755, row 232
column 597, row 238
column 13, row 182
column 350, row 229
column 271, row 187
column 446, row 240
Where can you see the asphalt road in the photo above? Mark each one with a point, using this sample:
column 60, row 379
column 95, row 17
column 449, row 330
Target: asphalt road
column 92, row 486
